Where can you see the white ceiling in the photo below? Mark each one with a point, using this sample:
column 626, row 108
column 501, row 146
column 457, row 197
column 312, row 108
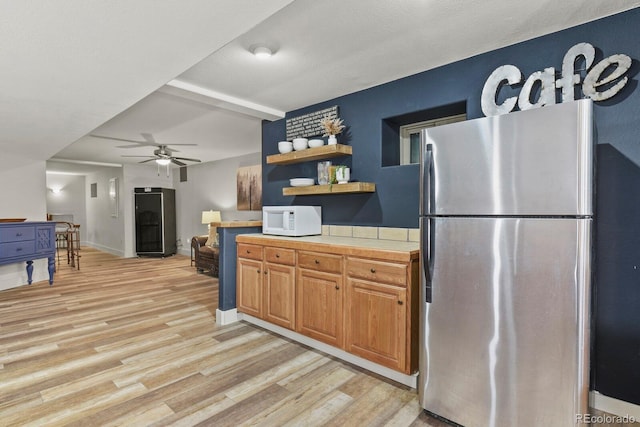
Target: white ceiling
column 75, row 67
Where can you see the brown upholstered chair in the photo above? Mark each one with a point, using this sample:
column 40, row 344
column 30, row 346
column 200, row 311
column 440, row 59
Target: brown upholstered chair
column 207, row 258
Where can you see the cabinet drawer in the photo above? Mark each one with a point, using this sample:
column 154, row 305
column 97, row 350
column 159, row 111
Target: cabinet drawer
column 249, row 251
column 17, row 234
column 280, row 256
column 320, row 262
column 377, row 271
column 17, row 249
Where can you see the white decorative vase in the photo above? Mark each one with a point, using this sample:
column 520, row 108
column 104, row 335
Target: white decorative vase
column 343, row 175
column 332, row 140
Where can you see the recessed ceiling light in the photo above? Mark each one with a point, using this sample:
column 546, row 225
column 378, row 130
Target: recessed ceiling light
column 262, row 52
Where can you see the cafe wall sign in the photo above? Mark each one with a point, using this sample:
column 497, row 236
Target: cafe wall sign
column 602, row 81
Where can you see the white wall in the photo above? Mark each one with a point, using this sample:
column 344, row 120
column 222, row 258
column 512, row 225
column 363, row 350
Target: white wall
column 212, row 185
column 22, row 192
column 70, row 200
column 104, row 231
column 209, row 186
column 23, row 195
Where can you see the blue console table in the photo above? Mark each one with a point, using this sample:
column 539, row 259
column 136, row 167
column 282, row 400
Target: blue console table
column 26, row 241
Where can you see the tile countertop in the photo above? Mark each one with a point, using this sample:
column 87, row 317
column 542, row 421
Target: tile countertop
column 386, row 249
column 237, row 224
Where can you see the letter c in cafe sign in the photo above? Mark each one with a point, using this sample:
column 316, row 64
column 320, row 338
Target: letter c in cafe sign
column 607, row 75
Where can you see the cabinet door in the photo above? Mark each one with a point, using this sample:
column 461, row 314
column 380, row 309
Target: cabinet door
column 376, row 322
column 249, row 287
column 279, row 295
column 320, row 306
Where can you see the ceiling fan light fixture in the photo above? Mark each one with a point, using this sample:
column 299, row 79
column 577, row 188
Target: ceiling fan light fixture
column 163, row 162
column 262, row 52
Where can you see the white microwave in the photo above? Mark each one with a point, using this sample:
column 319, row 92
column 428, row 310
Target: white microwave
column 292, row 220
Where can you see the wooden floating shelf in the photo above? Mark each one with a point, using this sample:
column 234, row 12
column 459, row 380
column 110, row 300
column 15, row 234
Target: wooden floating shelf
column 309, row 154
column 350, row 187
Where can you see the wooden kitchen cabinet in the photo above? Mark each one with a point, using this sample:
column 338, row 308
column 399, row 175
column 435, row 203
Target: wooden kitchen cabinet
column 376, row 322
column 249, row 281
column 376, row 312
column 280, row 287
column 266, row 284
column 379, row 312
column 320, row 313
column 320, row 297
column 361, row 300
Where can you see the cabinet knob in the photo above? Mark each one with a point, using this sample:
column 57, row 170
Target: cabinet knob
column 265, row 272
column 18, row 249
column 277, row 255
column 248, row 251
column 373, row 270
column 400, row 302
column 337, row 287
column 317, row 262
column 18, row 234
column 258, row 270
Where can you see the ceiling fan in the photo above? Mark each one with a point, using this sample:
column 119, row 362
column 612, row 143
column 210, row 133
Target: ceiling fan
column 163, row 155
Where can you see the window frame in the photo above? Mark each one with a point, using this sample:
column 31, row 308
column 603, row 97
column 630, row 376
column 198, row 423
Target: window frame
column 407, row 130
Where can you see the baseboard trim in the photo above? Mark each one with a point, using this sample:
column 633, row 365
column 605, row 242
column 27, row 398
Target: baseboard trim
column 226, row 317
column 408, row 380
column 614, row 406
column 106, row 249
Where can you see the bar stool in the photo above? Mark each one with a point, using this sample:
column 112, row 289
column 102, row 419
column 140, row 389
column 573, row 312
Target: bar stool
column 74, row 238
column 68, row 237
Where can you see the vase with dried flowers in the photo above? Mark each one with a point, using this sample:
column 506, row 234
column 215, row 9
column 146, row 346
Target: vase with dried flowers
column 332, row 127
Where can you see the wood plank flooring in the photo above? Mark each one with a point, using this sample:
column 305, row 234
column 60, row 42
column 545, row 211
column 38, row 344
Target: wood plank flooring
column 134, row 342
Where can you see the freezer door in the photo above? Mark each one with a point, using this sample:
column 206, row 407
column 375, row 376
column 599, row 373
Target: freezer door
column 505, row 338
column 536, row 162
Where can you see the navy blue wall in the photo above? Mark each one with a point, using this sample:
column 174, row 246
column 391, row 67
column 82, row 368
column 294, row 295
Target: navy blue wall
column 616, row 356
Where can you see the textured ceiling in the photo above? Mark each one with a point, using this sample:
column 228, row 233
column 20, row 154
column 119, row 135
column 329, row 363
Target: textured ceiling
column 80, row 67
column 68, row 66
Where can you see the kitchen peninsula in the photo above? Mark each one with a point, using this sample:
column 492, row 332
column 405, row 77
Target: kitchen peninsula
column 227, row 232
column 354, row 298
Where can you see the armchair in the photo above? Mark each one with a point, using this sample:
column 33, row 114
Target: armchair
column 206, row 257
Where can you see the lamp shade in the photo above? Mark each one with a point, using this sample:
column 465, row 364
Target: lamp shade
column 211, row 216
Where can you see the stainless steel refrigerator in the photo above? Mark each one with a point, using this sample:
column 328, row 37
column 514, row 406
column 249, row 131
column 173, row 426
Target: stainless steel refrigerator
column 506, row 225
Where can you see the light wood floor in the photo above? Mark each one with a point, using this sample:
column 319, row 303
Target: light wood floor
column 134, row 342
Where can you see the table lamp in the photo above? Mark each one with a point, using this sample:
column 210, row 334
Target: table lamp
column 207, row 218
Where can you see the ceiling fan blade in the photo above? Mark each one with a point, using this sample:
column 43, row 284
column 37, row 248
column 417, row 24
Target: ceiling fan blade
column 149, row 138
column 145, row 161
column 187, row 159
column 116, row 139
column 177, row 162
column 130, row 146
column 139, row 143
column 151, row 157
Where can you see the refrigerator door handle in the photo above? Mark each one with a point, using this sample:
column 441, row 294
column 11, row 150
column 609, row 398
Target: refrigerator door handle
column 427, row 201
column 428, row 230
